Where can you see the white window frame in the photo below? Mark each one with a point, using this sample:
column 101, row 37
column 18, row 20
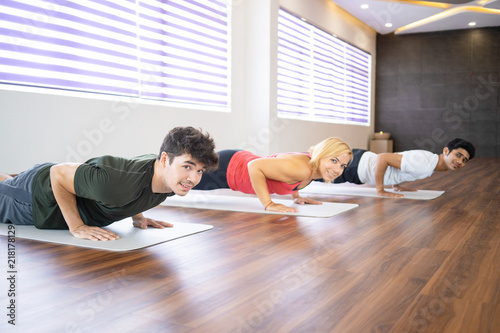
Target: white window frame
column 321, row 77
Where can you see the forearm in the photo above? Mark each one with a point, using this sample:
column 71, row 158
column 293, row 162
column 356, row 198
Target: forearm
column 260, row 188
column 380, row 169
column 259, row 184
column 384, row 161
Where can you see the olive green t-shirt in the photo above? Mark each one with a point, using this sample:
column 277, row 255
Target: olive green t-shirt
column 108, row 189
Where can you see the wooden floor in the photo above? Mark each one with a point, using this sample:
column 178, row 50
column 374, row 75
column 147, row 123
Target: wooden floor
column 390, row 265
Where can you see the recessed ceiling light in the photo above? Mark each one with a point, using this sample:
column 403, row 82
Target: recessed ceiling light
column 471, row 24
column 388, row 25
column 365, row 6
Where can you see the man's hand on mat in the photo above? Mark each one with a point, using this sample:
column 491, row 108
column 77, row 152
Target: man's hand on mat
column 93, row 233
column 303, row 201
column 399, row 188
column 275, row 207
column 384, row 193
column 144, row 222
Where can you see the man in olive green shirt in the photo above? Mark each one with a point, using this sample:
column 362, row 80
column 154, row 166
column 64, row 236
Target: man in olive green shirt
column 84, row 197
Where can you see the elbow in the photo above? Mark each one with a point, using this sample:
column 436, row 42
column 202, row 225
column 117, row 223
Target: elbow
column 56, row 178
column 382, row 161
column 255, row 172
column 62, row 177
column 55, row 173
column 252, row 167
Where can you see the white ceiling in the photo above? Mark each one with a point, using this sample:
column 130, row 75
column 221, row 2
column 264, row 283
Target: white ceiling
column 408, row 16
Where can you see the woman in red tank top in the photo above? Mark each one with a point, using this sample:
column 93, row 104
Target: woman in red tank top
column 285, row 173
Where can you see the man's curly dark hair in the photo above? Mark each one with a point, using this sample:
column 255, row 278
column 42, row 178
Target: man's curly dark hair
column 189, row 140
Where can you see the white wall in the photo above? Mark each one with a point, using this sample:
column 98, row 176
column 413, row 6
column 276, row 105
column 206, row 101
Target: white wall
column 37, row 127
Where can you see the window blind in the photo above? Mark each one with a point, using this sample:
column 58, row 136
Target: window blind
column 184, row 51
column 171, row 50
column 321, row 77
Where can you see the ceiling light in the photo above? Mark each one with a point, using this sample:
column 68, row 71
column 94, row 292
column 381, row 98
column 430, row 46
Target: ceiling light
column 365, row 6
column 388, row 25
column 445, row 14
column 471, row 24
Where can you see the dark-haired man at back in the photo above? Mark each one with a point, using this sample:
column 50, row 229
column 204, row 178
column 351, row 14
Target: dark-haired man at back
column 396, row 168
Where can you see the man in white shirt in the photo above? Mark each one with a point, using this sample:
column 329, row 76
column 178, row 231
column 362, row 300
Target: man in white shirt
column 396, row 168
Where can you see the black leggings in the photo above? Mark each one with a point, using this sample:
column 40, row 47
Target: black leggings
column 217, row 178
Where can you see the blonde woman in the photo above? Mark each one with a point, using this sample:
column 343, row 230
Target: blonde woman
column 284, row 173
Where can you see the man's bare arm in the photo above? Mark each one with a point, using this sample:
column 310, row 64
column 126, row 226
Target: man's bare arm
column 62, row 178
column 385, row 160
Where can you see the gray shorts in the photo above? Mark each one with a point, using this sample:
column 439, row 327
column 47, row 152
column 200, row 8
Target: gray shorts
column 15, row 197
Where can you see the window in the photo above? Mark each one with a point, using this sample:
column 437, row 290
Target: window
column 170, row 50
column 321, row 77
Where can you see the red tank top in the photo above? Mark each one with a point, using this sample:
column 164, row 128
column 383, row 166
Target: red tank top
column 238, row 178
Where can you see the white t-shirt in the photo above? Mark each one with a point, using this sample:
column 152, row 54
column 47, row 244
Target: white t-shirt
column 415, row 164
